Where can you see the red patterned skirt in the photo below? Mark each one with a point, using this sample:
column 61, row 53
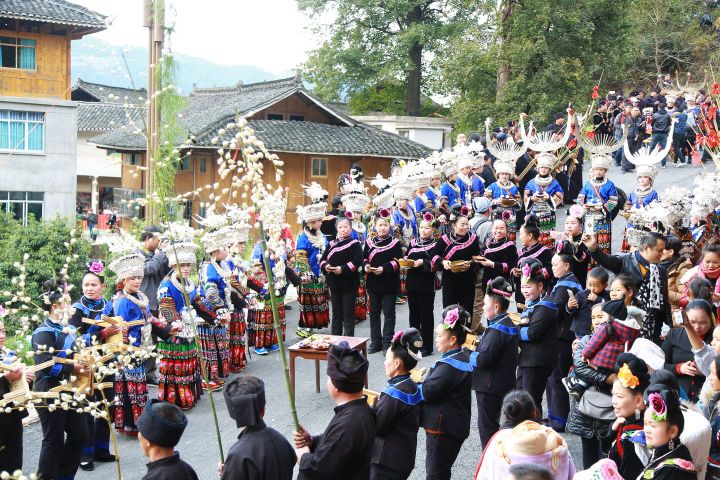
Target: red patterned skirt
column 238, row 359
column 361, row 308
column 180, row 377
column 313, row 301
column 261, row 331
column 130, row 396
column 215, row 352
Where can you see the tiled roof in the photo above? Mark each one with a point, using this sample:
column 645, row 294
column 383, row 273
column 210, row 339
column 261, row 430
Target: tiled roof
column 52, row 11
column 110, row 94
column 105, row 117
column 300, row 137
column 210, row 109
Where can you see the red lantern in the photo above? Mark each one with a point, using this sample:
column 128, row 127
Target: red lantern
column 595, row 93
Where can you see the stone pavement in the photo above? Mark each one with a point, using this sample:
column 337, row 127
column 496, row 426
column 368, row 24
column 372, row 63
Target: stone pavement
column 199, row 447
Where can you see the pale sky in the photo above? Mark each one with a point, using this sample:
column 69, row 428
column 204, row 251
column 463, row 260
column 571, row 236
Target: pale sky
column 269, row 34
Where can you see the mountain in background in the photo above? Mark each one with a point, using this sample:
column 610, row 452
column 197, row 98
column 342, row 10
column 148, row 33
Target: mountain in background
column 98, row 61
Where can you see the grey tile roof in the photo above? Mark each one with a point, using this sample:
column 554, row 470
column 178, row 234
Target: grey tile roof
column 210, row 109
column 105, row 117
column 300, row 137
column 110, row 94
column 52, row 11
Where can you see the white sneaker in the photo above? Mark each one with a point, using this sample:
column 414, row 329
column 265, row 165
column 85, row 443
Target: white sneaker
column 678, row 164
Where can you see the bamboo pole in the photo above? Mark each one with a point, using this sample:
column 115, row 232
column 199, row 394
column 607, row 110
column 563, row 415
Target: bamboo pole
column 276, row 324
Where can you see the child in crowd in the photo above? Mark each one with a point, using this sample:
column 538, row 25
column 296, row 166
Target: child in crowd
column 580, row 306
column 160, row 427
column 609, row 340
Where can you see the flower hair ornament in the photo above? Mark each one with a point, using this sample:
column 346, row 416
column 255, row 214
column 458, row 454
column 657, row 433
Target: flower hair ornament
column 398, row 335
column 428, row 217
column 458, row 211
column 451, row 319
column 505, row 215
column 384, row 213
column 627, row 379
column 96, row 267
column 349, row 215
column 657, row 407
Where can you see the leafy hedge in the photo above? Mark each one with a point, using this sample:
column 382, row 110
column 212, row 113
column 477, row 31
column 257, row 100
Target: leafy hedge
column 48, row 243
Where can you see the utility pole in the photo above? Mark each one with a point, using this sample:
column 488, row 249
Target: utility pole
column 154, row 20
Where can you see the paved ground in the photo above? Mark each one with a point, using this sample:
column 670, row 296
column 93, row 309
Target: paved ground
column 199, row 446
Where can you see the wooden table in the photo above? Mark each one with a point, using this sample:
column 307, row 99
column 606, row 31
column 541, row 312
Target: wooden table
column 356, row 343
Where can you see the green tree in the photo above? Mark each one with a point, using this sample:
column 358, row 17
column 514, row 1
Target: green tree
column 369, row 42
column 535, row 57
column 389, row 97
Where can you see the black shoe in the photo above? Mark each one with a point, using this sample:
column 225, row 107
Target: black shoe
column 104, row 457
column 374, row 349
column 87, row 466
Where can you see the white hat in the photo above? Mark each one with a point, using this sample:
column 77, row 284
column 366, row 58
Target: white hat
column 545, row 159
column 404, row 190
column 646, row 171
column 600, row 160
column 504, row 167
column 450, row 168
column 239, row 232
column 316, row 209
column 127, row 266
column 384, row 196
column 185, row 252
column 650, row 353
column 217, row 240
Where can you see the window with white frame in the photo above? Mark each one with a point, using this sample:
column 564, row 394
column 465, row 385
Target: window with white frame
column 319, row 167
column 22, row 131
column 22, row 204
column 404, row 133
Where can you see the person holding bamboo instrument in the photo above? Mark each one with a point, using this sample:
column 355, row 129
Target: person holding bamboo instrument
column 11, row 428
column 65, row 431
column 93, row 306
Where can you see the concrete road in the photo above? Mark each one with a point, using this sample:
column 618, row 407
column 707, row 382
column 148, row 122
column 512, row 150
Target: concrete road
column 199, row 446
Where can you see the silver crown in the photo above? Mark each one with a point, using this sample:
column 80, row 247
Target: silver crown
column 127, row 266
column 543, row 141
column 185, row 252
column 507, row 152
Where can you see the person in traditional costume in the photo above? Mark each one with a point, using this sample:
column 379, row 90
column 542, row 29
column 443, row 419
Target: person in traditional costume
column 542, row 196
column 131, row 304
column 180, row 375
column 708, row 268
column 599, row 196
column 93, row 306
column 340, row 263
column 383, row 280
column 530, row 248
column 466, row 160
column 310, row 247
column 664, row 422
column 496, row 363
column 405, row 227
column 538, row 331
column 456, row 250
column 356, row 202
column 11, row 426
column 65, row 431
column 398, row 410
column 446, row 391
column 161, row 426
column 566, row 286
column 433, row 190
column 450, row 194
column 627, row 393
column 421, row 282
column 215, row 306
column 344, row 450
column 261, row 452
column 505, row 196
column 644, row 194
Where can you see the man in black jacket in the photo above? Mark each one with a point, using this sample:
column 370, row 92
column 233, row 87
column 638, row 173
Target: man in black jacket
column 260, row 451
column 649, row 278
column 661, row 121
column 343, row 450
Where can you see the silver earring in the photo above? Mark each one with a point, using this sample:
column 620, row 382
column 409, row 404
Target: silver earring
column 637, row 414
column 671, row 444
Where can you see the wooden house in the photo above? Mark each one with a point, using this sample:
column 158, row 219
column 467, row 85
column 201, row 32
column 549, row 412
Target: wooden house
column 316, row 142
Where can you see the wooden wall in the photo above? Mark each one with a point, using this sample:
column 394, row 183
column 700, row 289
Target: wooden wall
column 51, row 79
column 298, row 104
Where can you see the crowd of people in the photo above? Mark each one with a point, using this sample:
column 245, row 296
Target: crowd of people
column 552, row 331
